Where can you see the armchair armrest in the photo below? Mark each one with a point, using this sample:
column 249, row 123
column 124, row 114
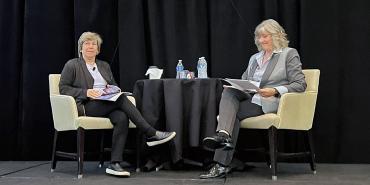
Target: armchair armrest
column 131, row 97
column 296, row 110
column 64, row 110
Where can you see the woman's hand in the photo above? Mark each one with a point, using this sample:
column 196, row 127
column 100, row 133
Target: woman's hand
column 267, row 92
column 94, row 93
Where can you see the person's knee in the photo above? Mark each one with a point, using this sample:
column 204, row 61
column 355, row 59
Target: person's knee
column 123, row 119
column 227, row 92
column 119, row 118
column 231, row 93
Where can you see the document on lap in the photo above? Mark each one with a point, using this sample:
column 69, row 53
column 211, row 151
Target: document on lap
column 110, row 93
column 242, row 85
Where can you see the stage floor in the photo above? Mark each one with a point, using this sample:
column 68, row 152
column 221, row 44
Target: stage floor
column 38, row 173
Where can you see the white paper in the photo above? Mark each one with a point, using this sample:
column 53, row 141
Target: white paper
column 110, row 93
column 243, row 85
column 110, row 97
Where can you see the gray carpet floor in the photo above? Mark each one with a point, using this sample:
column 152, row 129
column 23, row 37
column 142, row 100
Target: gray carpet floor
column 38, row 173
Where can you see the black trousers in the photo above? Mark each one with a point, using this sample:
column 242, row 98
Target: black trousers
column 234, row 106
column 119, row 113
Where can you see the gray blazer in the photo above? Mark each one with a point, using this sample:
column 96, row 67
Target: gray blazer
column 76, row 79
column 279, row 72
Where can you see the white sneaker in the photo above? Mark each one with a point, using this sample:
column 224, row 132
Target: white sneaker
column 116, row 170
column 160, row 137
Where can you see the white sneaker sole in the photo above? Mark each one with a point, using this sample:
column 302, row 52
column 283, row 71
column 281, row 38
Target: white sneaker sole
column 153, row 143
column 116, row 173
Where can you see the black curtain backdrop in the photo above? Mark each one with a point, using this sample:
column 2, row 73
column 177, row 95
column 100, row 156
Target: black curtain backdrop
column 37, row 37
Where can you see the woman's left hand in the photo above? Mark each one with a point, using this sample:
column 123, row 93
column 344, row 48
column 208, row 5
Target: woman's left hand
column 267, row 92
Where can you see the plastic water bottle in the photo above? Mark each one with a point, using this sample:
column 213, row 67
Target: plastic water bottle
column 202, row 68
column 179, row 70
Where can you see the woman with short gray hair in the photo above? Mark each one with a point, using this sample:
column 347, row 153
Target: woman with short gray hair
column 89, row 36
column 85, row 78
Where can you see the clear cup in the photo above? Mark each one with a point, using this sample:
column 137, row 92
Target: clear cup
column 190, row 75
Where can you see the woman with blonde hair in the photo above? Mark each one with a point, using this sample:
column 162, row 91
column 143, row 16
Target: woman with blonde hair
column 276, row 69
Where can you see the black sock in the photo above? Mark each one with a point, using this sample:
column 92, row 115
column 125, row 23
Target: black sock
column 150, row 132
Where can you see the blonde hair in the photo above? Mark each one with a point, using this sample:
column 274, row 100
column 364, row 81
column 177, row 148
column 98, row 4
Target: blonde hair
column 89, row 36
column 270, row 26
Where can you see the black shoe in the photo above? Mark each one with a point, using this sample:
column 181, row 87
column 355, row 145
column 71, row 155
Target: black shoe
column 218, row 141
column 160, row 137
column 116, row 170
column 217, row 171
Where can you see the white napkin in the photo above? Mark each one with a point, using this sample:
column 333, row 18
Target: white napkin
column 154, row 73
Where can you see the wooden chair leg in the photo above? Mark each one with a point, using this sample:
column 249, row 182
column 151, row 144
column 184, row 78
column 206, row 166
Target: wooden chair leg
column 53, row 157
column 138, row 150
column 266, row 149
column 273, row 150
column 311, row 150
column 80, row 150
column 268, row 160
column 101, row 153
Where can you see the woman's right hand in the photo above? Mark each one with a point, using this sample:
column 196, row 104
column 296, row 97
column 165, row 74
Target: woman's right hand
column 93, row 93
column 267, row 92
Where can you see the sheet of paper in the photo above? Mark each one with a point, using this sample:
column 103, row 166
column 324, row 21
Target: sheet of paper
column 243, row 85
column 110, row 97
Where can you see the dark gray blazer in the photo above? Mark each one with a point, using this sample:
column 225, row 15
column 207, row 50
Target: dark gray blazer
column 76, row 79
column 284, row 72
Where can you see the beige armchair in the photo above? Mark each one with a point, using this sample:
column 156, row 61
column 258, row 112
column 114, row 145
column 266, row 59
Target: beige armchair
column 65, row 117
column 296, row 112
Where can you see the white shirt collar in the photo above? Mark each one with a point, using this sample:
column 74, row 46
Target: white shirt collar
column 260, row 54
column 91, row 67
column 278, row 50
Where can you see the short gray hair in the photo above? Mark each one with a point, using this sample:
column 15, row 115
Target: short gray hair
column 88, row 36
column 279, row 37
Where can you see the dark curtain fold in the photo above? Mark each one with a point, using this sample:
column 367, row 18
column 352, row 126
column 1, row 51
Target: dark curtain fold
column 38, row 37
column 11, row 47
column 47, row 44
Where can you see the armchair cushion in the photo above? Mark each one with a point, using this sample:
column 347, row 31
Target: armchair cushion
column 261, row 122
column 87, row 122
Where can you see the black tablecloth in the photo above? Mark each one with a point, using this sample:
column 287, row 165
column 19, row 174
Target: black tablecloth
column 188, row 107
